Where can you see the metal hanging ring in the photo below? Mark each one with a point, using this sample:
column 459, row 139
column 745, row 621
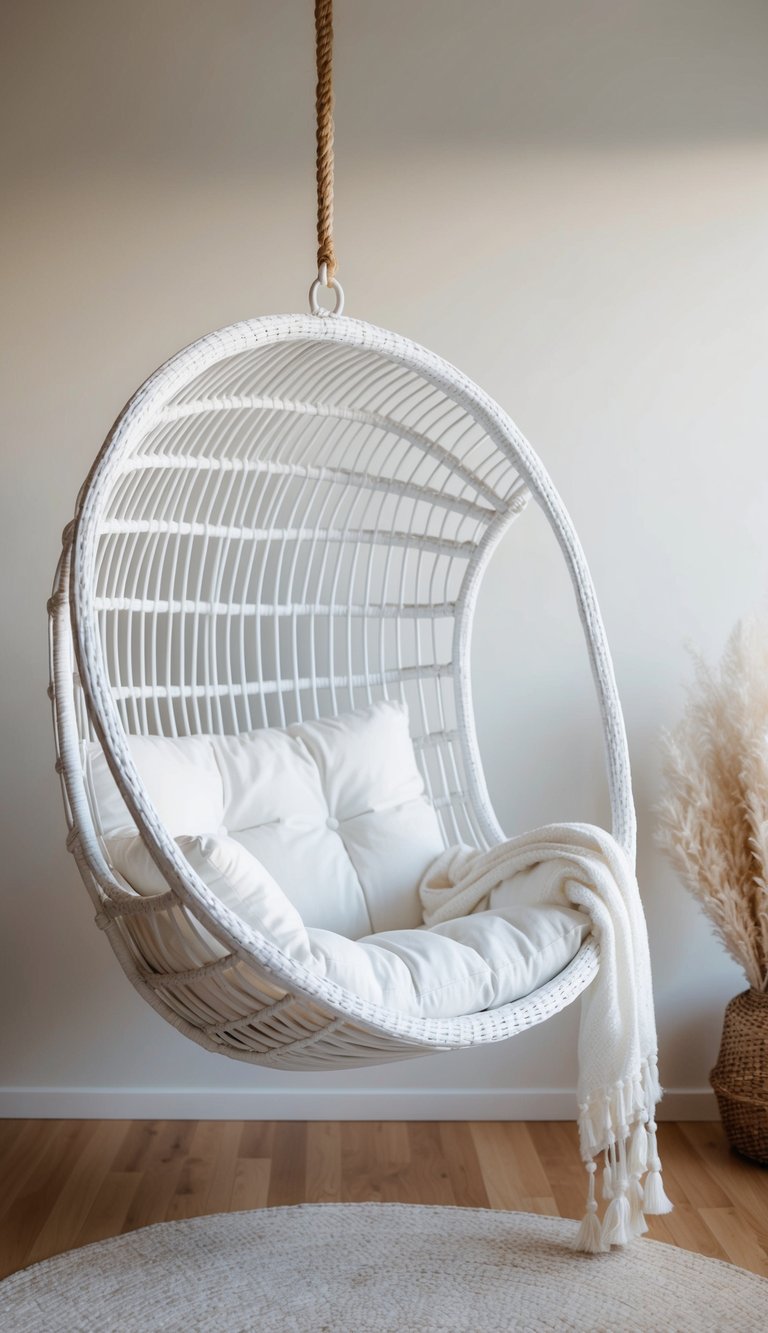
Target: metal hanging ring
column 332, row 285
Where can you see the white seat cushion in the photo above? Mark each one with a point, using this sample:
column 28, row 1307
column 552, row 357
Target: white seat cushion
column 460, row 967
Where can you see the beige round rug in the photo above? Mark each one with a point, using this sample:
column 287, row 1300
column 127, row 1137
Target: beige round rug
column 376, row 1268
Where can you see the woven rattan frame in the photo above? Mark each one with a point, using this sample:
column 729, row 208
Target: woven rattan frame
column 291, row 518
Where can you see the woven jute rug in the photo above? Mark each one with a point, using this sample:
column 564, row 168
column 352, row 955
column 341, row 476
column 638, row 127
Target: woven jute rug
column 371, row 1268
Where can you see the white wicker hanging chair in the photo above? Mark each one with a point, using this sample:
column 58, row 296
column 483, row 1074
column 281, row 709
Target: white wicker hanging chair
column 291, row 520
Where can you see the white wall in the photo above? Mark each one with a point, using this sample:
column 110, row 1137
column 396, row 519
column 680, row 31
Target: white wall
column 571, row 202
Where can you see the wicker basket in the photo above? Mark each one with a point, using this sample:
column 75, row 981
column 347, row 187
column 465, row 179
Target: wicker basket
column 740, row 1077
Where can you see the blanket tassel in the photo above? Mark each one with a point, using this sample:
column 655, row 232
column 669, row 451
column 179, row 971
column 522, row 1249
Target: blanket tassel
column 638, row 1150
column 607, row 1177
column 617, row 1228
column 638, row 1163
column 655, row 1199
column 589, row 1237
column 636, row 1195
column 616, row 1223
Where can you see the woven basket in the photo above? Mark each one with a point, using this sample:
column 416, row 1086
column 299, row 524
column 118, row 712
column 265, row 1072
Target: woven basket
column 740, row 1077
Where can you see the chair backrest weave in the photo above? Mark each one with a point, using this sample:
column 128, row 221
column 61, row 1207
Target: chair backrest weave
column 291, row 520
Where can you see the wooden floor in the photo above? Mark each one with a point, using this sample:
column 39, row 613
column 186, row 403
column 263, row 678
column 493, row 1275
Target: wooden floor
column 65, row 1183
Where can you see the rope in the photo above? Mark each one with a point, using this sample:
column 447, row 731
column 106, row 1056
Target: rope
column 324, row 110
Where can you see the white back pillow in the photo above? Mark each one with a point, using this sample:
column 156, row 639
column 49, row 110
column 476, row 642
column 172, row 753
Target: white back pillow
column 334, row 810
column 182, row 779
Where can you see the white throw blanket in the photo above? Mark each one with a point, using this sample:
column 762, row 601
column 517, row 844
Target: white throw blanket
column 582, row 866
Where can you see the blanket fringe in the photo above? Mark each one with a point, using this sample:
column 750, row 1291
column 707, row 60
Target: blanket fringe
column 620, row 1123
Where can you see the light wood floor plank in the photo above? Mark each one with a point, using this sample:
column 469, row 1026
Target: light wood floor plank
column 10, row 1131
column 224, row 1168
column 323, row 1182
column 195, row 1181
column 428, row 1174
column 387, row 1148
column 61, row 1146
column 556, row 1144
column 251, row 1183
column 687, row 1174
column 686, row 1227
column 463, row 1166
column 376, row 1162
column 744, row 1183
column 289, row 1164
column 513, row 1174
column 106, row 1215
column 66, row 1216
column 257, row 1138
column 36, row 1150
column 741, row 1243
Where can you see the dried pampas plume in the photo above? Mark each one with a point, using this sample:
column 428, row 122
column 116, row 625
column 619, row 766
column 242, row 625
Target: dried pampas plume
column 713, row 818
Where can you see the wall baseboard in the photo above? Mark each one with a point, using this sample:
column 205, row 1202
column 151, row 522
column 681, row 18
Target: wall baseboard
column 321, row 1104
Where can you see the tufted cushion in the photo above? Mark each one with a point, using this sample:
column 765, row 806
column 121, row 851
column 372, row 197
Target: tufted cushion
column 375, row 797
column 275, row 806
column 334, row 810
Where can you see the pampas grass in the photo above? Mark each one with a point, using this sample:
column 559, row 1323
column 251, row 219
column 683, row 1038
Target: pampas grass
column 713, row 818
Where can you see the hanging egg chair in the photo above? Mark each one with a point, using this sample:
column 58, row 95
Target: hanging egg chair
column 291, row 520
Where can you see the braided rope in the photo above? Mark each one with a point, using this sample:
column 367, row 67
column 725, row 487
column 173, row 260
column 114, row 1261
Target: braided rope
column 326, row 253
